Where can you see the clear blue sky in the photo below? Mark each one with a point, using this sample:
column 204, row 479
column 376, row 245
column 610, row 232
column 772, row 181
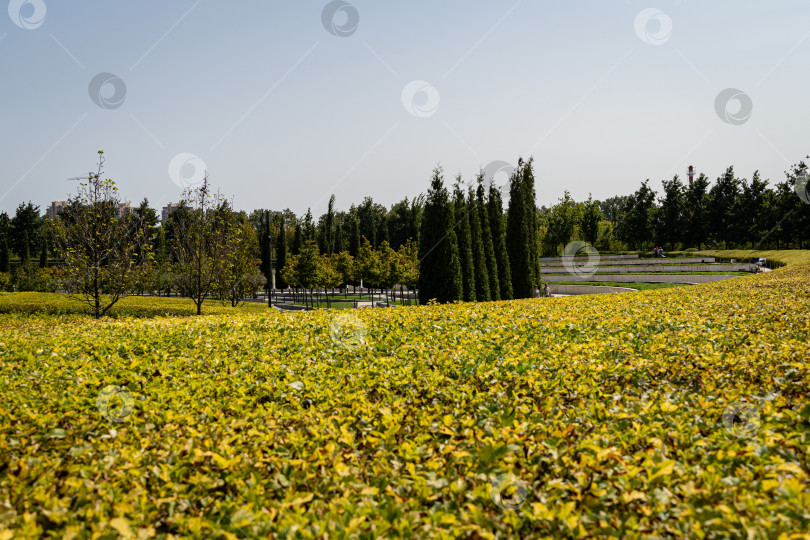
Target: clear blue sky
column 283, row 113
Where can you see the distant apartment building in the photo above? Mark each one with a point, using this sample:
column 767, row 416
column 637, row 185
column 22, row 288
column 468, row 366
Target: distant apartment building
column 55, row 208
column 167, row 211
column 124, row 209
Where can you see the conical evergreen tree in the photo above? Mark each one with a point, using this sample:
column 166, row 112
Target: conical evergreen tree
column 383, row 234
column 5, row 257
column 496, row 224
column 297, row 242
column 269, row 250
column 329, row 226
column 486, row 238
column 372, row 230
column 413, row 218
column 465, row 251
column 281, row 254
column 479, row 258
column 264, row 246
column 530, row 197
column 340, row 238
column 516, row 236
column 354, row 236
column 309, row 227
column 521, row 231
column 439, row 265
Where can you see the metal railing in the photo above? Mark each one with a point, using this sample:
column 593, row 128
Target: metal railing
column 337, row 298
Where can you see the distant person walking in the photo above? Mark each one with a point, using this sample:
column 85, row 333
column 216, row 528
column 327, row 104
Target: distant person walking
column 536, row 292
column 546, row 291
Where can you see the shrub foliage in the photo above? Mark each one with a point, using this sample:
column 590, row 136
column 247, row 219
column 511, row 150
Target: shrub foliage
column 612, row 411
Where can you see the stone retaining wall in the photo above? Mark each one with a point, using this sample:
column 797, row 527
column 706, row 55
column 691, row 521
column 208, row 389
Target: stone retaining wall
column 678, row 268
column 585, row 258
column 647, row 278
column 587, row 289
column 291, row 307
column 651, row 262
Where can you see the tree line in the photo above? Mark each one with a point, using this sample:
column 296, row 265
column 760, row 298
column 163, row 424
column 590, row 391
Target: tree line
column 368, row 245
column 730, row 213
column 457, row 243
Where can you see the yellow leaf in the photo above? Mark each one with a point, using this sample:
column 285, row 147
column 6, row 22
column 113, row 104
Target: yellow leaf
column 565, row 510
column 791, row 468
column 792, row 486
column 768, row 485
column 633, row 496
column 665, row 469
column 540, row 511
column 221, row 461
column 354, row 523
column 148, row 532
column 121, row 525
column 303, row 499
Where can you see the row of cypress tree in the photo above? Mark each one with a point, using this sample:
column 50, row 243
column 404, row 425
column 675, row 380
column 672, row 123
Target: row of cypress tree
column 468, row 249
column 279, row 246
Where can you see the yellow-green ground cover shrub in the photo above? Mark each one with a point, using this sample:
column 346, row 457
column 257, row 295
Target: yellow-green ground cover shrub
column 674, row 412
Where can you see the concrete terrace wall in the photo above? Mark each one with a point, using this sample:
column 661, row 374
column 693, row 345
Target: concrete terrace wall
column 661, row 268
column 291, row 307
column 587, row 289
column 648, row 278
column 651, row 262
column 585, row 258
